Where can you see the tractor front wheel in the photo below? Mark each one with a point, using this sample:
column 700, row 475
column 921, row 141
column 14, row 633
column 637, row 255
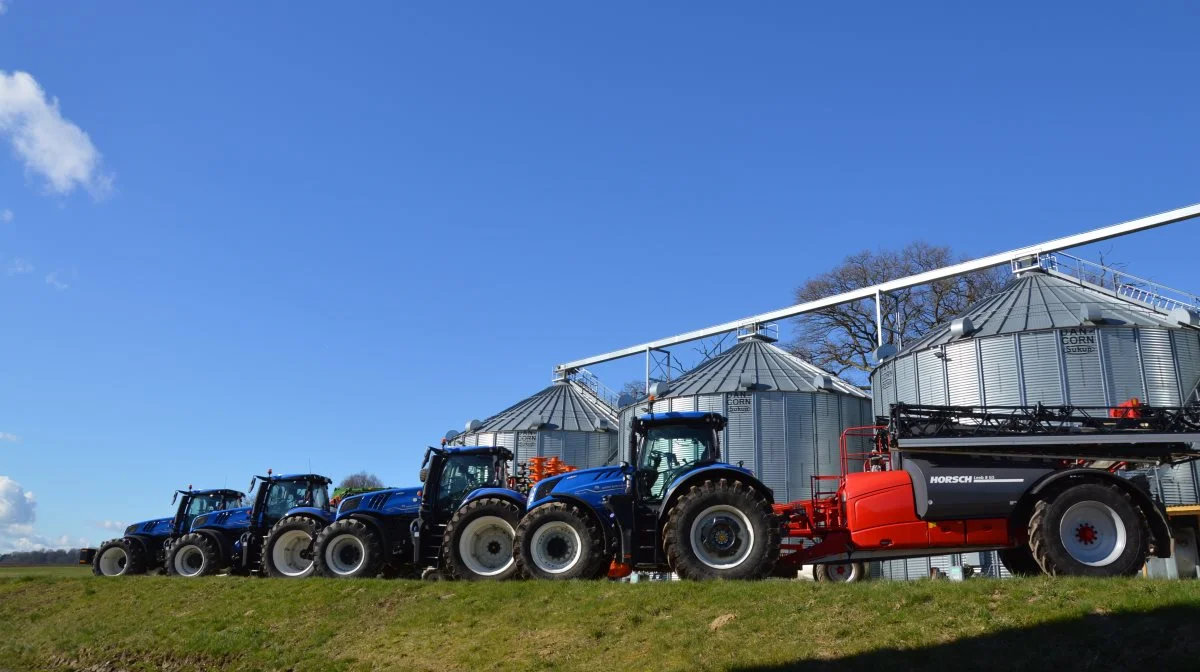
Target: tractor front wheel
column 721, row 530
column 193, row 555
column 119, row 557
column 479, row 540
column 560, row 541
column 288, row 550
column 348, row 549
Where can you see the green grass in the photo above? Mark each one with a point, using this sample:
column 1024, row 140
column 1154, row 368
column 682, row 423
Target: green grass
column 45, row 570
column 152, row 623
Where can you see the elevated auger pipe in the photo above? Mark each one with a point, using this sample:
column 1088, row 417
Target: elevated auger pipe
column 875, row 291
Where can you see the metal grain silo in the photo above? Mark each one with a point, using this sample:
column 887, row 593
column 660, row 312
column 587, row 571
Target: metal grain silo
column 567, row 420
column 785, row 415
column 1055, row 339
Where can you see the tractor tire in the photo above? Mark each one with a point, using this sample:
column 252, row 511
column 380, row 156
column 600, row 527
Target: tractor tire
column 479, row 540
column 288, row 550
column 1088, row 530
column 721, row 530
column 193, row 555
column 840, row 572
column 1019, row 561
column 348, row 549
column 119, row 557
column 560, row 541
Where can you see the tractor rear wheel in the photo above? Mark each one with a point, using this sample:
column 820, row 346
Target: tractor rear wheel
column 288, row 550
column 840, row 572
column 193, row 555
column 560, row 541
column 1088, row 530
column 479, row 540
column 119, row 557
column 1019, row 561
column 348, row 549
column 721, row 530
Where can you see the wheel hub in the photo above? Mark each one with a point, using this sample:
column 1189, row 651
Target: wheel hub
column 493, row 547
column 556, row 548
column 1086, row 534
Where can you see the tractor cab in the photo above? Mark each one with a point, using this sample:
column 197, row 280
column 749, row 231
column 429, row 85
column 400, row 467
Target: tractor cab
column 449, row 476
column 194, row 503
column 278, row 495
column 666, row 446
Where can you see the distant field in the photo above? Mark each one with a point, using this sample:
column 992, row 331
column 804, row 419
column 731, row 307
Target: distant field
column 45, row 570
column 153, row 623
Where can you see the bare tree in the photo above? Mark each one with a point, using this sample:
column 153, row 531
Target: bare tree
column 841, row 338
column 634, row 388
column 361, row 479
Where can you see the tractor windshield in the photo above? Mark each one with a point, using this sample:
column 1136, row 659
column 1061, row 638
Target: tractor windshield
column 287, row 495
column 202, row 504
column 463, row 474
column 669, row 451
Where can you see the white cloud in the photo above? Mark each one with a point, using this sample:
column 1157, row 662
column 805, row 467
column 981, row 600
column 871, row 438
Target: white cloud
column 3, row 6
column 53, row 281
column 48, row 144
column 6, row 215
column 111, row 525
column 19, row 266
column 18, row 509
column 9, row 437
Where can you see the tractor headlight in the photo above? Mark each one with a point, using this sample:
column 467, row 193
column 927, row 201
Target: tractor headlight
column 201, row 520
column 131, row 529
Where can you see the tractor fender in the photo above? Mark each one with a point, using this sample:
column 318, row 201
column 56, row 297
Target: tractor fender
column 712, row 471
column 144, row 541
column 1156, row 516
column 223, row 542
column 375, row 522
column 605, row 518
column 320, row 515
column 498, row 493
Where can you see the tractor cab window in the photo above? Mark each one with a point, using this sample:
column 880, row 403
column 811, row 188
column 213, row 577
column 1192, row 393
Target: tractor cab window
column 319, row 496
column 286, row 495
column 200, row 505
column 669, row 451
column 463, row 474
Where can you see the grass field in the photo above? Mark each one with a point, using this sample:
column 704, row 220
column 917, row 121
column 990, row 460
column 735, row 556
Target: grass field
column 152, row 623
column 45, row 570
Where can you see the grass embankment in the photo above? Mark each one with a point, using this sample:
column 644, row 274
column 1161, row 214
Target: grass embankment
column 165, row 623
column 45, row 570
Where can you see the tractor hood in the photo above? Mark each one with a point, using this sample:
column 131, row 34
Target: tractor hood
column 390, row 502
column 159, row 527
column 590, row 485
column 224, row 520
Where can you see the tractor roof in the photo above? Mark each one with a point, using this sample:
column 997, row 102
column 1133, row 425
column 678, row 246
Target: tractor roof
column 220, row 492
column 274, row 478
column 478, row 450
column 682, row 418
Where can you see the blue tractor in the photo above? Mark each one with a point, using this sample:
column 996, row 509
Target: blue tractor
column 273, row 537
column 145, row 545
column 460, row 524
column 675, row 506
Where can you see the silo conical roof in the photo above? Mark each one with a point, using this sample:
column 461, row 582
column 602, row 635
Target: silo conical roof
column 755, row 360
column 564, row 405
column 1037, row 300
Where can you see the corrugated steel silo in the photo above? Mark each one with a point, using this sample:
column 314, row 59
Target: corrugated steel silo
column 566, row 420
column 785, row 415
column 1054, row 339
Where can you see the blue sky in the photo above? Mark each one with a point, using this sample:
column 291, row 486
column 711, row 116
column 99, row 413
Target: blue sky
column 275, row 234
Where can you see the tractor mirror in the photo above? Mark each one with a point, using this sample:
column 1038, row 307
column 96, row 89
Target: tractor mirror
column 423, row 474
